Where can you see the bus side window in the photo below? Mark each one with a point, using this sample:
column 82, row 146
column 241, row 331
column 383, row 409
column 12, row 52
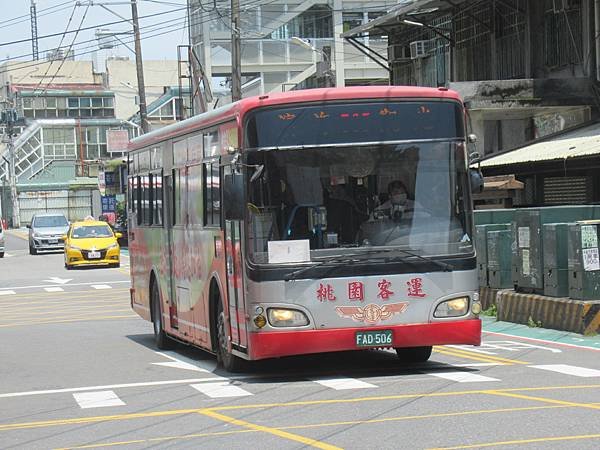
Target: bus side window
column 138, row 198
column 157, row 199
column 212, row 194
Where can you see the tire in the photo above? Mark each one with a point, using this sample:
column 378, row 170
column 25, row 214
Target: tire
column 32, row 250
column 414, row 354
column 116, row 266
column 162, row 341
column 1, row 254
column 225, row 358
column 68, row 267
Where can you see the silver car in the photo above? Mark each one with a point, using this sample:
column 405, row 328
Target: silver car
column 1, row 241
column 46, row 232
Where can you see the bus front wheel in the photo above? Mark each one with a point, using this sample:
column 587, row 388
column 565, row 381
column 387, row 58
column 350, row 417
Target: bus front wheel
column 225, row 358
column 162, row 341
column 414, row 354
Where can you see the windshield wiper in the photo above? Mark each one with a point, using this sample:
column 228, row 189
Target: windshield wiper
column 348, row 259
column 447, row 267
column 334, row 258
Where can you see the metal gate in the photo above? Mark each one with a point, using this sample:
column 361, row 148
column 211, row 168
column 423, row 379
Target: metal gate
column 75, row 205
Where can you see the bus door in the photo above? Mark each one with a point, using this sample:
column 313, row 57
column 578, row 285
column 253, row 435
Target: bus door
column 170, row 221
column 234, row 268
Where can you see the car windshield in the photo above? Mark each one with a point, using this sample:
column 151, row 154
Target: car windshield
column 311, row 203
column 50, row 221
column 91, row 231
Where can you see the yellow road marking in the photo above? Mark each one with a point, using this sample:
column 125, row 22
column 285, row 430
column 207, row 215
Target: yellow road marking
column 524, row 441
column 34, row 305
column 274, row 431
column 474, row 358
column 8, row 301
column 546, row 400
column 315, row 425
column 67, row 315
column 159, row 439
column 479, row 355
column 81, row 319
column 47, row 311
column 16, row 426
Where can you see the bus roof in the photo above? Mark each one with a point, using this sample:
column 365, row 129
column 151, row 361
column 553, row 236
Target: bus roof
column 238, row 109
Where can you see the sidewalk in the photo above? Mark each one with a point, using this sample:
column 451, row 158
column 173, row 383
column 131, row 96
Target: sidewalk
column 22, row 233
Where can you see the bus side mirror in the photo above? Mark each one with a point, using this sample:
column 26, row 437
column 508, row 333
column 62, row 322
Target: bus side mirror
column 476, row 181
column 233, row 196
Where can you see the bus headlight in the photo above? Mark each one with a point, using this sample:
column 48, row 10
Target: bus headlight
column 452, row 308
column 280, row 317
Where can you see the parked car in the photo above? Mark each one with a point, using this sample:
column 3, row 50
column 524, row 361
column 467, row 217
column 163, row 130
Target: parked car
column 46, row 232
column 1, row 240
column 91, row 242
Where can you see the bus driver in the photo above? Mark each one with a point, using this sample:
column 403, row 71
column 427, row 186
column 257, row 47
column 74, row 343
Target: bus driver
column 397, row 206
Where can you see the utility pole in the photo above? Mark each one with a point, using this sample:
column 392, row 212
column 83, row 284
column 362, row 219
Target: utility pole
column 139, row 67
column 9, row 118
column 236, row 53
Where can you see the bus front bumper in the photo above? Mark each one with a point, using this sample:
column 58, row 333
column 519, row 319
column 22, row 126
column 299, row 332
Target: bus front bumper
column 273, row 344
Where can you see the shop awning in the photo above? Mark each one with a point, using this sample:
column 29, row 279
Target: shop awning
column 578, row 143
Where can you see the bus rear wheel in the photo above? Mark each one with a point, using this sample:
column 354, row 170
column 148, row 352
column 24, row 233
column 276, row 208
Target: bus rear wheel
column 162, row 341
column 225, row 358
column 414, row 354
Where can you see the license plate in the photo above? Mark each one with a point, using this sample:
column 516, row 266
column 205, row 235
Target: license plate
column 94, row 255
column 52, row 241
column 380, row 338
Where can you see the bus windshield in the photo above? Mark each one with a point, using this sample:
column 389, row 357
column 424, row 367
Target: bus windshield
column 346, row 199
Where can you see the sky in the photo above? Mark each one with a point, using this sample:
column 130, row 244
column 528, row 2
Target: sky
column 168, row 25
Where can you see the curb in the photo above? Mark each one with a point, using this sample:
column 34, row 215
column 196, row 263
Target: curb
column 578, row 316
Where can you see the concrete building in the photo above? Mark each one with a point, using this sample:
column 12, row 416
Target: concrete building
column 528, row 70
column 69, row 110
column 271, row 62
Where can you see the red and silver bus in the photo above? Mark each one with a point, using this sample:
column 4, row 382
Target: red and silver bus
column 306, row 222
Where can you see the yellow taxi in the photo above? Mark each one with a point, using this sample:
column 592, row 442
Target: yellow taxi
column 91, row 243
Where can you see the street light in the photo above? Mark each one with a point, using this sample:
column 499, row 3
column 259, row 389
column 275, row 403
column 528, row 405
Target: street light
column 326, row 58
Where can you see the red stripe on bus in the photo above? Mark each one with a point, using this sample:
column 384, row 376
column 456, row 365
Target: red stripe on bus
column 273, row 344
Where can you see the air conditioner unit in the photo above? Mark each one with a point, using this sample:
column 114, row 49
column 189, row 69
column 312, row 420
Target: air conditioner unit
column 419, row 49
column 398, row 53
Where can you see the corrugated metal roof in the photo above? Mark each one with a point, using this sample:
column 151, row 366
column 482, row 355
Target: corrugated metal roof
column 574, row 144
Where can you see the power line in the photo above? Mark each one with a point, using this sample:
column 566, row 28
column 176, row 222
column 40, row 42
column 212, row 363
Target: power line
column 20, row 41
column 170, row 27
column 25, row 17
column 60, row 43
column 66, row 54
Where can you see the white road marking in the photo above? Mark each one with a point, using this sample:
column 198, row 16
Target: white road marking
column 7, row 292
column 462, row 377
column 98, row 399
column 101, row 286
column 58, row 280
column 341, row 384
column 110, row 386
column 180, row 365
column 511, row 346
column 209, row 365
column 220, row 390
column 545, row 341
column 70, row 285
column 8, row 255
column 54, row 289
column 569, row 370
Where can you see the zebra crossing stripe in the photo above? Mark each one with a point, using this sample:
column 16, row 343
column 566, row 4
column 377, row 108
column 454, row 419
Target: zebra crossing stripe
column 342, row 384
column 7, row 292
column 220, row 390
column 98, row 399
column 462, row 377
column 101, row 286
column 54, row 289
column 569, row 370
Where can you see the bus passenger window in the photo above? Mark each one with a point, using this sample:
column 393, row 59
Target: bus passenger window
column 157, row 200
column 212, row 195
